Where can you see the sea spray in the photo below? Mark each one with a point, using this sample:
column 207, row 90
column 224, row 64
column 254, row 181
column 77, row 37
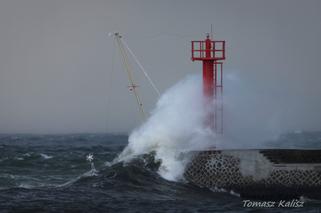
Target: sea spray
column 175, row 127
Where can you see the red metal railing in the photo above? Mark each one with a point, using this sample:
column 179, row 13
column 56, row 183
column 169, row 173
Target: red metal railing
column 217, row 51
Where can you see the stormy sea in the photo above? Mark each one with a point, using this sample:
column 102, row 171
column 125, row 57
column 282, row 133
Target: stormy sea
column 52, row 173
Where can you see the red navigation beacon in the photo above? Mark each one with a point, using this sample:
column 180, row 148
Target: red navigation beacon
column 212, row 53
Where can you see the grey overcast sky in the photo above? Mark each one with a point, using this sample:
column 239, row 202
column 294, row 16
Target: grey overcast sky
column 56, row 64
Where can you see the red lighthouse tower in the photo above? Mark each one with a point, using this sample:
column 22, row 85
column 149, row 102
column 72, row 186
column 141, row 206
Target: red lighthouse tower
column 212, row 53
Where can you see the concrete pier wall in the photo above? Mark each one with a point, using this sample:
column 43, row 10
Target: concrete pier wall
column 258, row 173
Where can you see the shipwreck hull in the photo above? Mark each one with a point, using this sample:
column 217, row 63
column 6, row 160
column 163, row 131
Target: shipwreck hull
column 261, row 174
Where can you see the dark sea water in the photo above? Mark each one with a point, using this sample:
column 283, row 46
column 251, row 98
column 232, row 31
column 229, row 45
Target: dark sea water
column 50, row 173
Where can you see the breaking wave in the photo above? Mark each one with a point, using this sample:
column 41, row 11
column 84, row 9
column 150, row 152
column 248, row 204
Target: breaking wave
column 174, row 128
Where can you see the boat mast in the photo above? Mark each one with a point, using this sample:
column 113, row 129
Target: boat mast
column 132, row 86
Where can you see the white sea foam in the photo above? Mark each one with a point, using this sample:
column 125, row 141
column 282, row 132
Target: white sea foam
column 45, row 156
column 174, row 127
column 19, row 158
column 27, row 154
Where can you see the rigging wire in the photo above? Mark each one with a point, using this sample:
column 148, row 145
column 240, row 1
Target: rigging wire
column 162, row 34
column 132, row 86
column 141, row 67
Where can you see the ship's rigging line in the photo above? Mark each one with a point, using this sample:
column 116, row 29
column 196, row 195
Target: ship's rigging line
column 132, row 85
column 142, row 68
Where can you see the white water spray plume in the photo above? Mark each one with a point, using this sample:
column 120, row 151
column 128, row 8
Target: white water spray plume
column 176, row 126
